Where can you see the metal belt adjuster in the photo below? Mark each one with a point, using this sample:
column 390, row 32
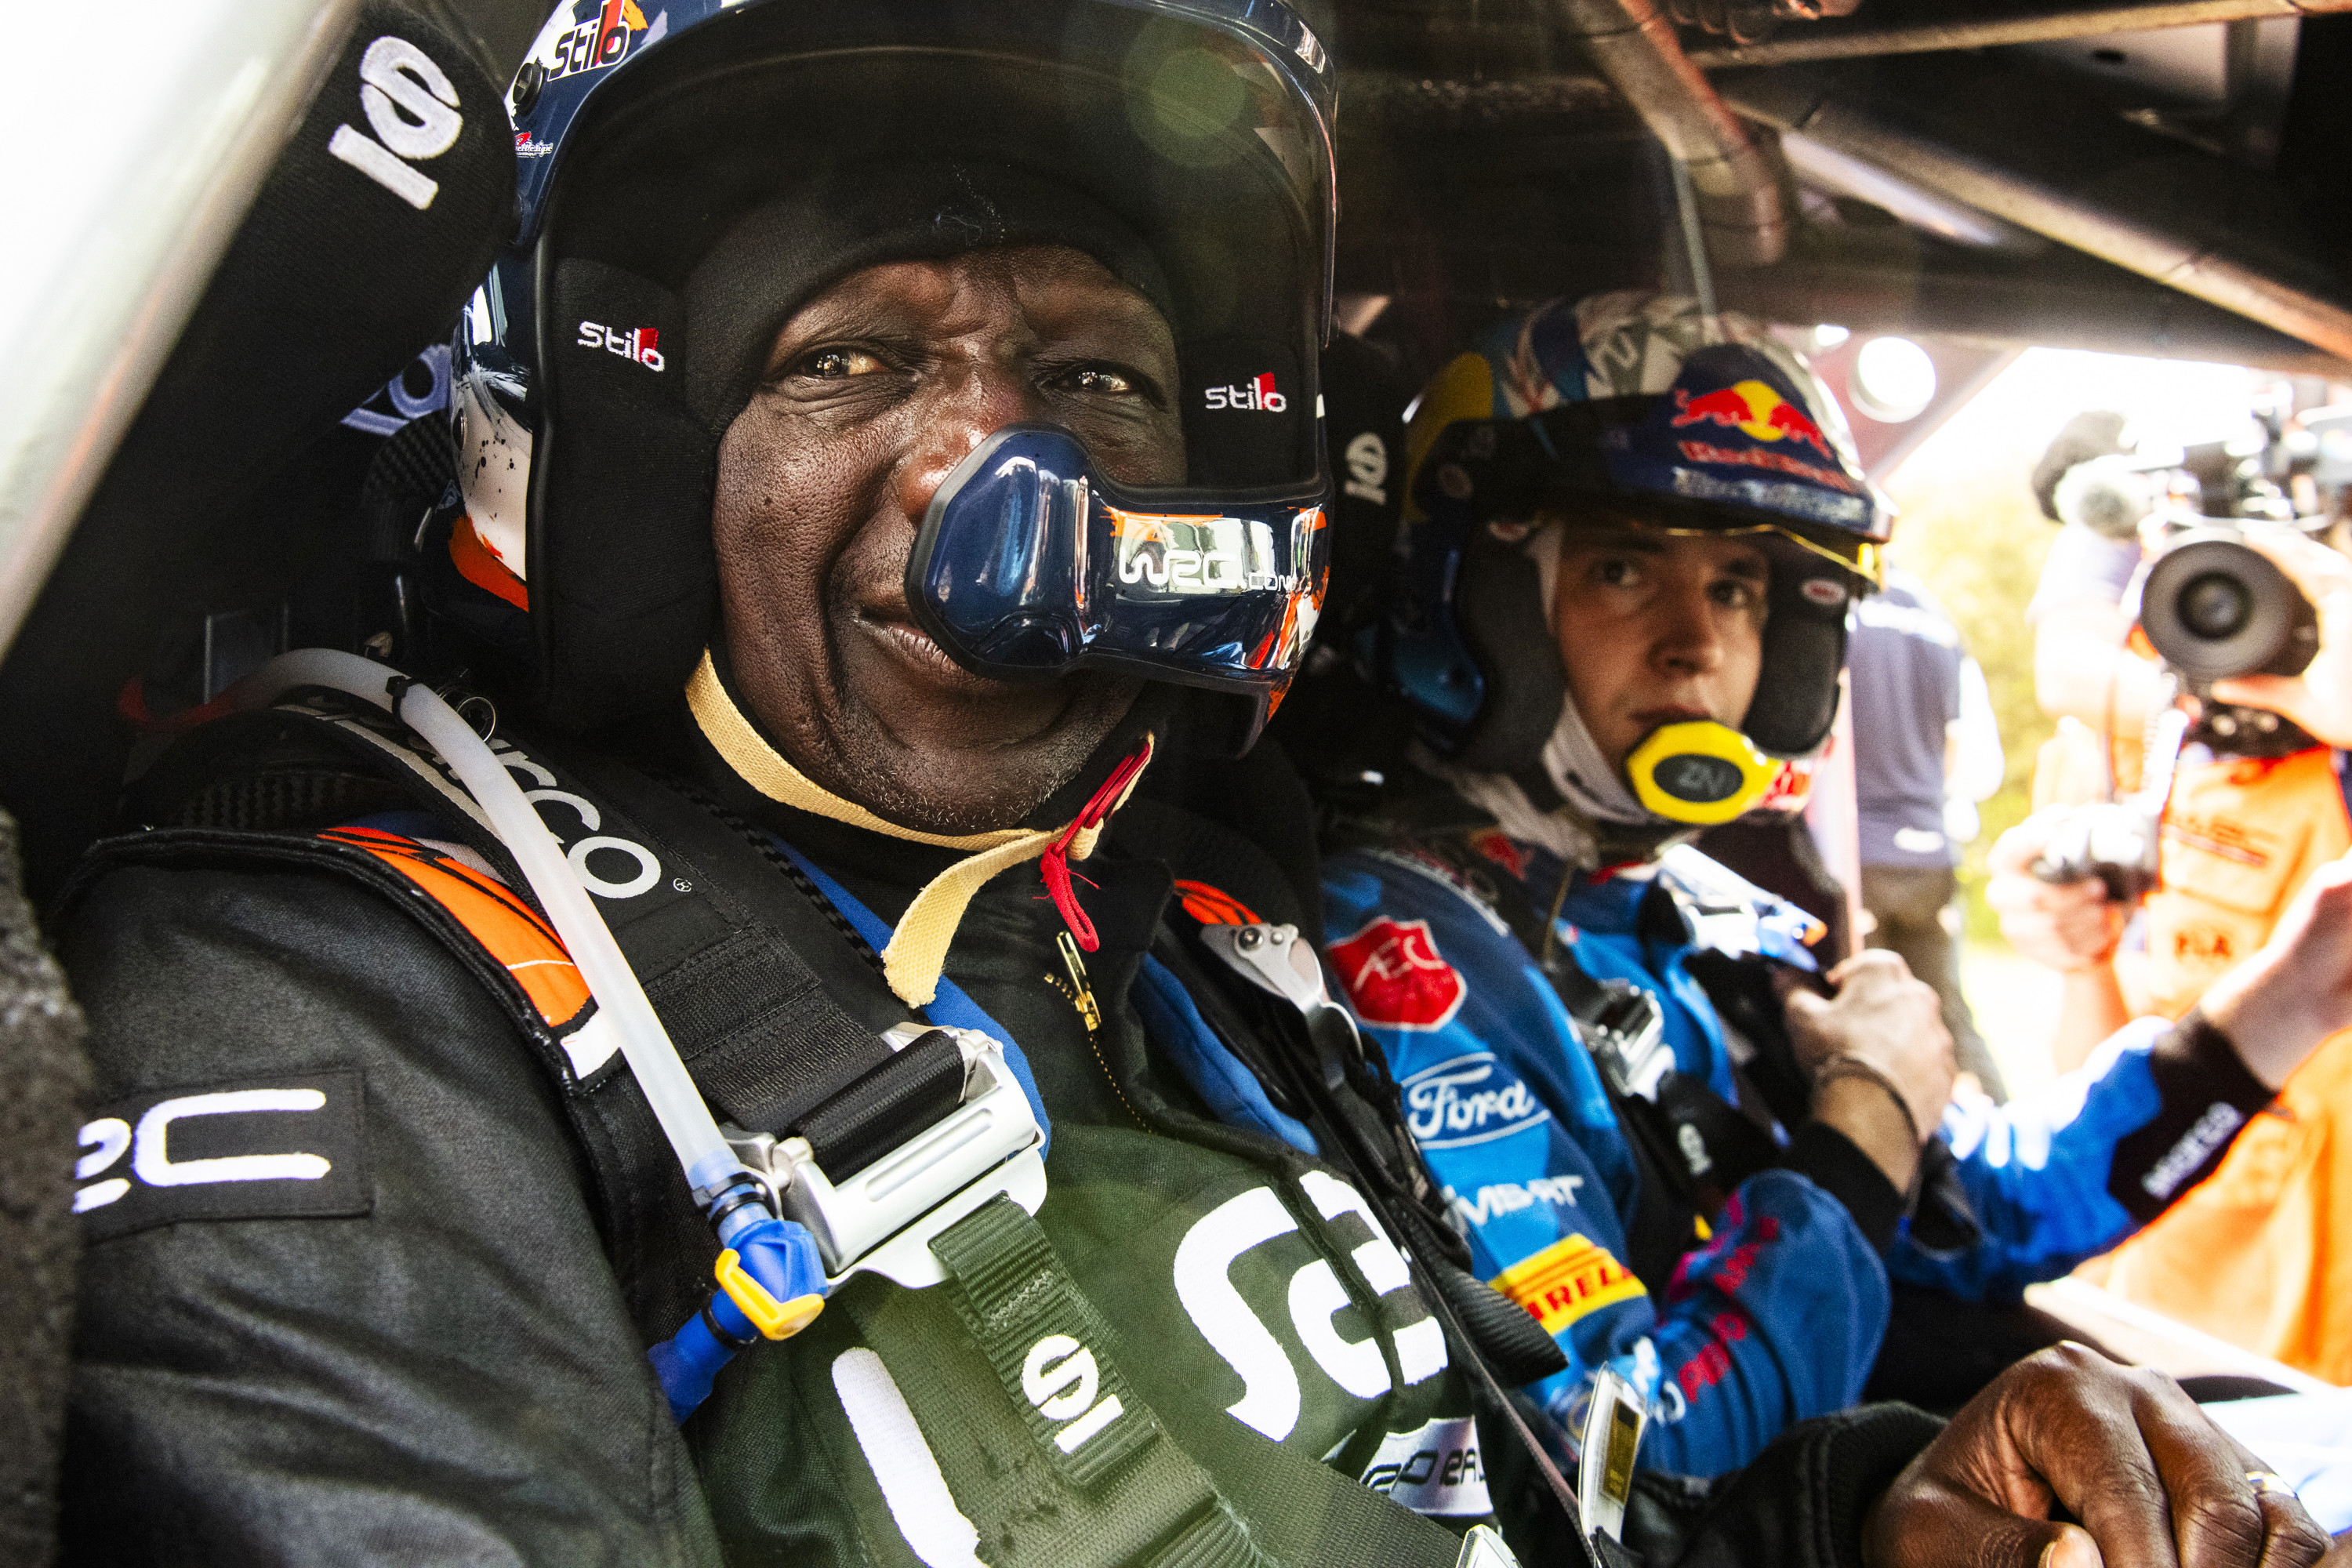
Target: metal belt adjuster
column 1624, row 1029
column 880, row 1217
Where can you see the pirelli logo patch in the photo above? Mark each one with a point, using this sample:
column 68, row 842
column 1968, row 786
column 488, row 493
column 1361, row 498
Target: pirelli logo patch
column 1567, row 1279
column 293, row 1145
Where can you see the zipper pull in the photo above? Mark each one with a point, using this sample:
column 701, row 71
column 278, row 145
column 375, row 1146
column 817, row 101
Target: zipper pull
column 1083, row 994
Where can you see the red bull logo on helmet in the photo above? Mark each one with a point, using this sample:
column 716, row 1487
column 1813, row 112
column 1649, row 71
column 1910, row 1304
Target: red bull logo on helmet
column 1755, row 410
column 1786, row 439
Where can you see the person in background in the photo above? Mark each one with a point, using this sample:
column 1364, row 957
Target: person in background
column 1907, row 687
column 2256, row 1254
column 2250, row 813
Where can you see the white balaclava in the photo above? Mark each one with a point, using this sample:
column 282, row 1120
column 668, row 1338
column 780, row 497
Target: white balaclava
column 1595, row 792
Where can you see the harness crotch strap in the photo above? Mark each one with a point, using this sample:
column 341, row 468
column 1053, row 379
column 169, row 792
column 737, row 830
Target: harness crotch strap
column 918, row 945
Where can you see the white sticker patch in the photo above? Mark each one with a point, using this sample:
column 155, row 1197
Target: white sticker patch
column 1433, row 1469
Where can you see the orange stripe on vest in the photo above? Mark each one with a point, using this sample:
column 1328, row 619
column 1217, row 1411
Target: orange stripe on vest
column 506, row 927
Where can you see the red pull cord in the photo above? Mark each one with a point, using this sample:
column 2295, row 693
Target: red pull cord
column 1056, row 864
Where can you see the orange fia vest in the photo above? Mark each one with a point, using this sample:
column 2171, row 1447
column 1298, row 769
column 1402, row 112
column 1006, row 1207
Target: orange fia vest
column 2260, row 1253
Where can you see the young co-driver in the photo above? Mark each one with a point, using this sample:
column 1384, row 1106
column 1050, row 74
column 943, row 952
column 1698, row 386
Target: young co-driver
column 1632, row 537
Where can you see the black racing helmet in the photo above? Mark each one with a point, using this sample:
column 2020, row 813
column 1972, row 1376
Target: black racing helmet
column 1644, row 407
column 685, row 184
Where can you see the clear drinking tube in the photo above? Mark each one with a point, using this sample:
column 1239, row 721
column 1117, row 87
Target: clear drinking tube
column 677, row 1105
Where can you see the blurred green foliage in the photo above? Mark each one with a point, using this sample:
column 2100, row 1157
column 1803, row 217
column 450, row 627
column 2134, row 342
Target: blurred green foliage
column 1978, row 542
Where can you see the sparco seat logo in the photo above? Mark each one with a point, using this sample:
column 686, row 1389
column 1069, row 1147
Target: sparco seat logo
column 413, row 110
column 1395, row 977
column 1256, row 395
column 1368, row 468
column 1061, row 1378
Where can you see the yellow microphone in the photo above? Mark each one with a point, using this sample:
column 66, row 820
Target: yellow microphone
column 1699, row 772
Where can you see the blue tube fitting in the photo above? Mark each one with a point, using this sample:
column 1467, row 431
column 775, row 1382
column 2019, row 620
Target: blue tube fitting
column 781, row 1255
column 772, row 1280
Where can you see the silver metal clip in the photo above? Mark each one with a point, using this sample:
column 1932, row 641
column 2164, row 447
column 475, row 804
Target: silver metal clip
column 1626, row 1033
column 1271, row 958
column 882, row 1219
column 1274, row 959
column 1482, row 1547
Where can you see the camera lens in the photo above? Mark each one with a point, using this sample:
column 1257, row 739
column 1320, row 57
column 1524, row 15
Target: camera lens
column 2214, row 605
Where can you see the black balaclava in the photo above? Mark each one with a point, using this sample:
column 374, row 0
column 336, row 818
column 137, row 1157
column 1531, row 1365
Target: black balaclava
column 784, row 253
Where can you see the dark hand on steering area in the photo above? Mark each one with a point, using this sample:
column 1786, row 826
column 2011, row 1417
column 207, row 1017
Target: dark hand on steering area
column 2154, row 1483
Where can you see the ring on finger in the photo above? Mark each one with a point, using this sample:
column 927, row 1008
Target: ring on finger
column 2264, row 1481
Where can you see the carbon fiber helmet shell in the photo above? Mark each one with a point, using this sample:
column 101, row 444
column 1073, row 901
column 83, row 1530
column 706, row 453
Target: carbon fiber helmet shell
column 1640, row 406
column 643, row 131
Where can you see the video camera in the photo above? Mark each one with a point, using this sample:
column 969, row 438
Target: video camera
column 2211, row 605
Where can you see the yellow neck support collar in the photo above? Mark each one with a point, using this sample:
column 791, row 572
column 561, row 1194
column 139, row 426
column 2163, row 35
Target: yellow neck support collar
column 1699, row 772
column 918, row 947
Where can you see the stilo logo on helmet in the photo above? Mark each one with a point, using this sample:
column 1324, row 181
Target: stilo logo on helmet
column 1258, row 396
column 637, row 343
column 597, row 42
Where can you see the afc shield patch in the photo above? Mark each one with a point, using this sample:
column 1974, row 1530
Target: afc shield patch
column 292, row 1146
column 1396, row 978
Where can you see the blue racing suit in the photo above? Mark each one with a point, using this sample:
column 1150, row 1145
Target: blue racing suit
column 1776, row 1312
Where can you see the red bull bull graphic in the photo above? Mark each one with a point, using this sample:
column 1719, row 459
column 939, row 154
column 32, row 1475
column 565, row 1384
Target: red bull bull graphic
column 1754, row 409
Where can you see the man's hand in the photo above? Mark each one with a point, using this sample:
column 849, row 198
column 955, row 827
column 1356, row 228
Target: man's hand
column 2069, row 926
column 2278, row 1005
column 1895, row 1023
column 2320, row 699
column 2155, row 1484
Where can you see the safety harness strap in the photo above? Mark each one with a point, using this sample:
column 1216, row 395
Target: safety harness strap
column 1082, row 1415
column 762, row 1034
column 1091, row 1478
column 1027, row 1318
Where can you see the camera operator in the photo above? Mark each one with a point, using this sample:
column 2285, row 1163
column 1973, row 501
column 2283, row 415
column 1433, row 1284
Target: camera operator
column 2251, row 803
column 2248, row 1255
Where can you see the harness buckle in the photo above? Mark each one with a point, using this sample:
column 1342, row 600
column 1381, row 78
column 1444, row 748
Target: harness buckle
column 881, row 1219
column 1625, row 1030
